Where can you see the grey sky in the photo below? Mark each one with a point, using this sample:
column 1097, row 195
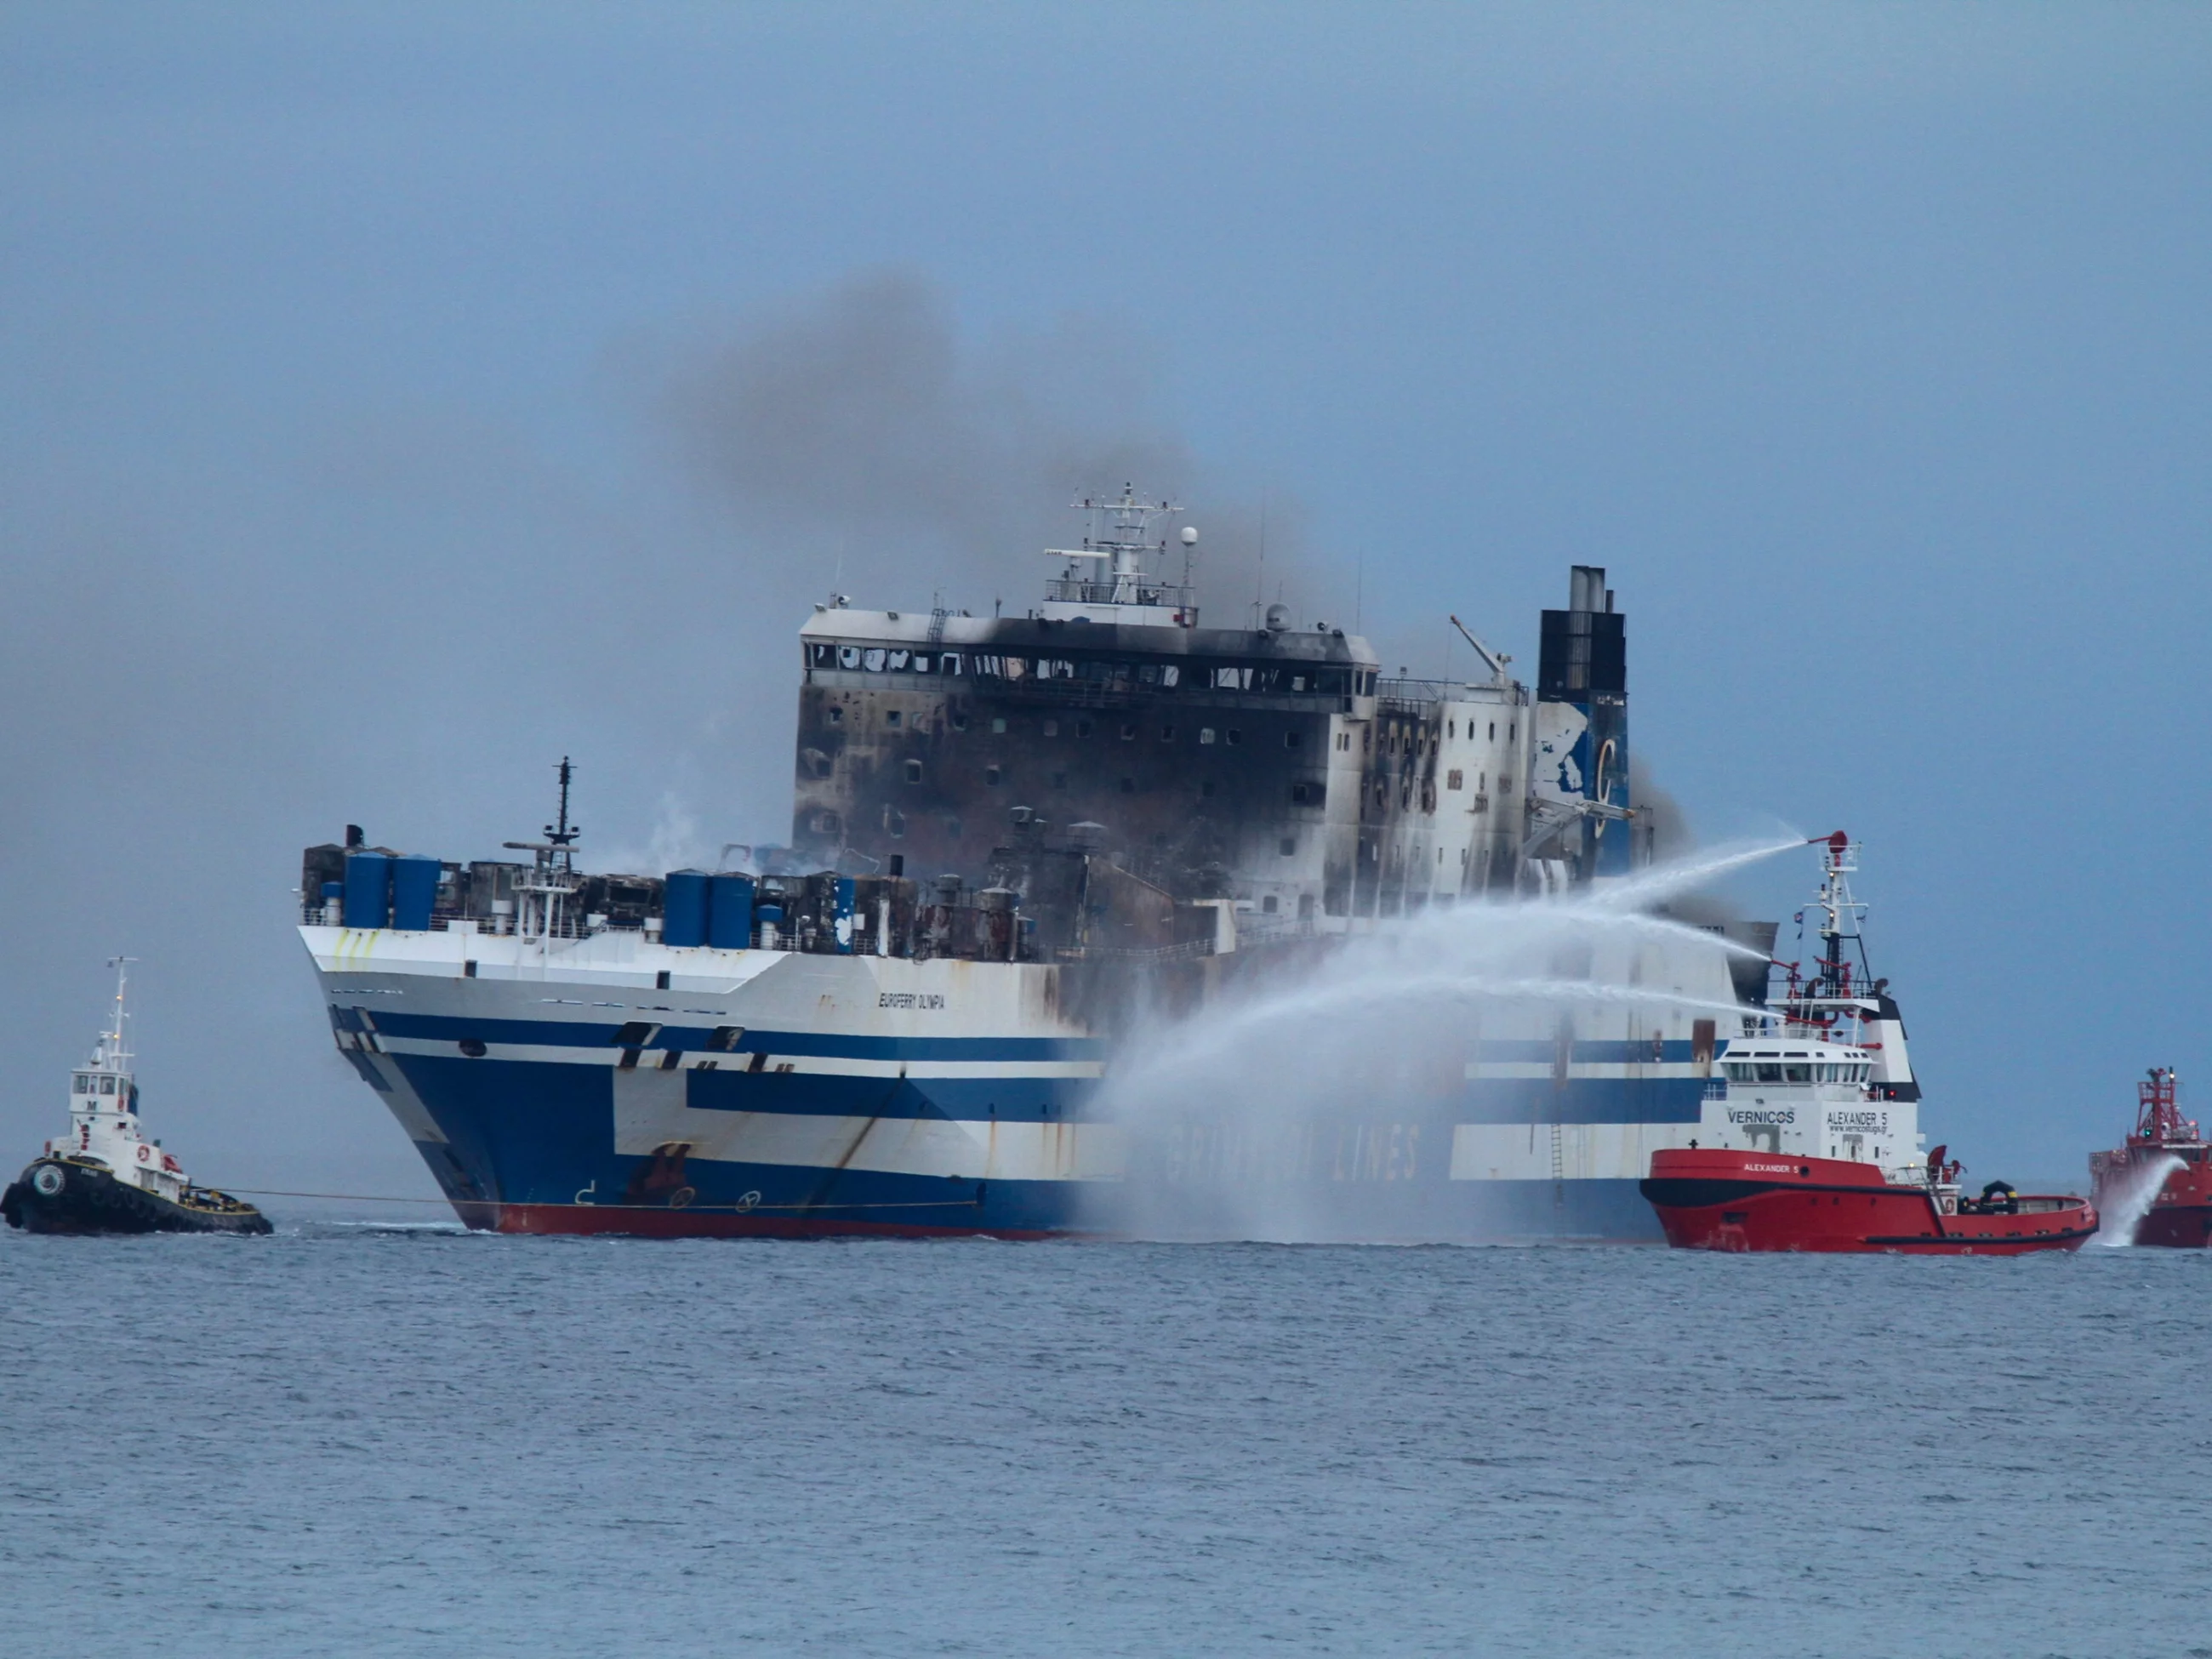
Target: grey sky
column 391, row 403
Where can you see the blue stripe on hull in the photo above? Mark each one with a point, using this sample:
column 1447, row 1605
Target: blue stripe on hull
column 553, row 1032
column 544, row 1132
column 1011, row 1099
column 1585, row 1100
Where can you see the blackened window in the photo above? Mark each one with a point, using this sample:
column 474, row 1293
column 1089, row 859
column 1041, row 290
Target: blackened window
column 914, row 771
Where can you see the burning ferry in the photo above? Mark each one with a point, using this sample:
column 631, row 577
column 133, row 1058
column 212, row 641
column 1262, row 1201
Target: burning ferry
column 1014, row 841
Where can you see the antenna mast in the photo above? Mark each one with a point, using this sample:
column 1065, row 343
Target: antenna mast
column 114, row 1047
column 562, row 835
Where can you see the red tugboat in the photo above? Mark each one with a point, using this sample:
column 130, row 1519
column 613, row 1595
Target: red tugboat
column 2160, row 1182
column 1809, row 1138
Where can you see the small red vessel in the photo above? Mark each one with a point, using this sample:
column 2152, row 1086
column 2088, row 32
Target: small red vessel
column 1725, row 1200
column 1810, row 1129
column 2175, row 1212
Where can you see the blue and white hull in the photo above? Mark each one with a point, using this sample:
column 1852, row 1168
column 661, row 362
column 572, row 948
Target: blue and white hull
column 611, row 1083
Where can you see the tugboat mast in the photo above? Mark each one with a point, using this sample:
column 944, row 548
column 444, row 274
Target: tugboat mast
column 1839, row 918
column 2160, row 1118
column 113, row 1049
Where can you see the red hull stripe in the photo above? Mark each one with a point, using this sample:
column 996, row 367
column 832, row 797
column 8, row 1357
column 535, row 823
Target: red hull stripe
column 641, row 1222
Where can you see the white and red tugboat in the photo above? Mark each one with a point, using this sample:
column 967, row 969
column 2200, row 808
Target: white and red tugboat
column 103, row 1176
column 2166, row 1152
column 1809, row 1138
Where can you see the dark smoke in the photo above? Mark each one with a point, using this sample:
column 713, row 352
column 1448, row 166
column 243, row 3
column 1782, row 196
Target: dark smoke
column 862, row 437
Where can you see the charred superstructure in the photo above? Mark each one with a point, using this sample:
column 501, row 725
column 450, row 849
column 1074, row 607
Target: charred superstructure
column 1272, row 768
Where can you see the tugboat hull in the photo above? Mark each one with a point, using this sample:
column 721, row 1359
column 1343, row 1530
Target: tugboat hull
column 2176, row 1226
column 57, row 1195
column 1736, row 1201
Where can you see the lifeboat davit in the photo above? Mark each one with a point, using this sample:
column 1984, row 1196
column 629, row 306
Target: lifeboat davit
column 1722, row 1199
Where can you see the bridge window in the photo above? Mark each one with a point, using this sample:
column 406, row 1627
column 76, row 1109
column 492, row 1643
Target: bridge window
column 892, row 717
column 914, row 771
column 1234, row 737
column 1205, row 734
column 1770, row 1074
column 1797, row 1074
column 1292, row 739
column 1269, row 906
column 991, row 777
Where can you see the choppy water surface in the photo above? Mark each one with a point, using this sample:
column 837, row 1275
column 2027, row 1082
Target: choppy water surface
column 344, row 1441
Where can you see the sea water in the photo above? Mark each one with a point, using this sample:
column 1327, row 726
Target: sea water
column 346, row 1440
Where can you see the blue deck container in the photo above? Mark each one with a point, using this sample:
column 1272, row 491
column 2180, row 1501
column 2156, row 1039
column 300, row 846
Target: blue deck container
column 730, row 913
column 414, row 891
column 368, row 889
column 683, row 915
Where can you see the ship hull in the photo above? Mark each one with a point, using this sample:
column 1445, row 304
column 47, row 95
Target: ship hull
column 1752, row 1201
column 56, row 1196
column 574, row 1147
column 2176, row 1226
column 656, row 1091
column 2180, row 1216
